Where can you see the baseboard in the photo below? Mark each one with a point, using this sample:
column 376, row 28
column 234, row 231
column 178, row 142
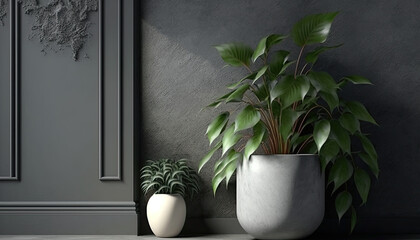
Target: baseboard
column 68, row 218
column 407, row 225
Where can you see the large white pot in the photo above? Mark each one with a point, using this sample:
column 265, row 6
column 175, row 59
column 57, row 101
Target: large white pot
column 280, row 196
column 166, row 214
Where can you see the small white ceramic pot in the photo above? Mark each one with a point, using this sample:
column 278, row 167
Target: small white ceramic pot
column 166, row 214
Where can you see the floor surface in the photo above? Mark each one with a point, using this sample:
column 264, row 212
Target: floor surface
column 207, row 237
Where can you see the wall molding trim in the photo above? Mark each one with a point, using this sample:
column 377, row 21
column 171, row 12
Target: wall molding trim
column 88, row 217
column 14, row 92
column 66, row 206
column 102, row 176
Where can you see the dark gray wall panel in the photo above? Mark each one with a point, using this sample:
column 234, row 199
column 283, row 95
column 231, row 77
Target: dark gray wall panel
column 59, row 127
column 10, row 84
column 182, row 72
column 5, row 98
column 111, row 80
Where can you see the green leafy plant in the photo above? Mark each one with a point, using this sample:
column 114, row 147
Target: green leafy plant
column 294, row 112
column 167, row 176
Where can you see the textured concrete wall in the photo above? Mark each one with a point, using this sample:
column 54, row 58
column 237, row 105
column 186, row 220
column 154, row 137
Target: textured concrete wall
column 182, row 72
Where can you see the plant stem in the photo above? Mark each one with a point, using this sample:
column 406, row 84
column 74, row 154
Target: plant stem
column 304, row 66
column 298, row 60
column 249, row 69
column 304, row 118
column 309, row 70
column 266, row 121
column 250, row 100
column 304, row 143
column 270, row 118
column 264, row 146
column 325, row 110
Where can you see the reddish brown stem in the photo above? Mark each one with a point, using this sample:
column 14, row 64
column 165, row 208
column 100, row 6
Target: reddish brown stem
column 298, row 60
column 304, row 144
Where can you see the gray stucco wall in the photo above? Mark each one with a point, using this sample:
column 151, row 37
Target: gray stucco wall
column 182, row 72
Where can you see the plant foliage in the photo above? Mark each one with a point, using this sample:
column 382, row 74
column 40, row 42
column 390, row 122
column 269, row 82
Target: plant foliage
column 166, row 176
column 286, row 107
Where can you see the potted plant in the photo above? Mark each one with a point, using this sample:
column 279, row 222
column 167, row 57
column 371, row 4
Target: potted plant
column 169, row 181
column 303, row 127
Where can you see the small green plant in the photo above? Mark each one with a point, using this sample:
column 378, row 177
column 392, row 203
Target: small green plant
column 167, row 176
column 294, row 112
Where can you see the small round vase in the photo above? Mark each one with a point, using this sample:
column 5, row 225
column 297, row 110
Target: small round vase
column 166, row 214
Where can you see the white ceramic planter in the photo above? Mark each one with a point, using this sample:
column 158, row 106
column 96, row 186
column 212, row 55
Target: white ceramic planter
column 166, row 214
column 280, row 196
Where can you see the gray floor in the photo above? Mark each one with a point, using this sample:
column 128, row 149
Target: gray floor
column 121, row 237
column 209, row 237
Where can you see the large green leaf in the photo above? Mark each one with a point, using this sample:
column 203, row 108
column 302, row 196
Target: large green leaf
column 370, row 157
column 357, row 79
column 322, row 81
column 371, row 162
column 249, row 76
column 261, row 92
column 224, row 161
column 235, row 54
column 286, row 65
column 329, row 151
column 230, row 139
column 237, row 95
column 276, row 107
column 213, row 104
column 310, row 148
column 350, row 122
column 219, row 101
column 341, row 172
column 340, row 135
column 353, row 219
column 255, row 141
column 290, row 90
column 309, row 101
column 311, row 57
column 321, row 132
column 260, row 73
column 274, row 39
column 208, row 156
column 313, row 28
column 368, row 146
column 342, row 203
column 288, row 119
column 230, row 169
column 360, row 112
column 216, row 180
column 265, row 44
column 217, row 126
column 281, row 87
column 331, row 99
column 278, row 62
column 296, row 140
column 362, row 182
column 225, row 169
column 247, row 118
